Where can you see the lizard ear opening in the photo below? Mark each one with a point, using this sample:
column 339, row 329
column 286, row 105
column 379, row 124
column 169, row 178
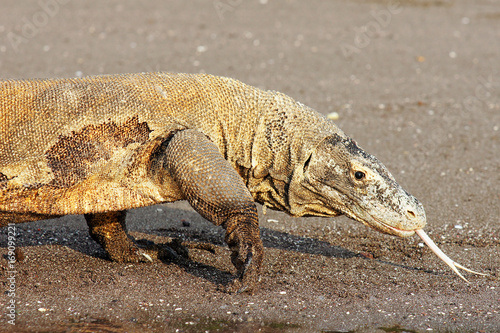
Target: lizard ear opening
column 306, row 164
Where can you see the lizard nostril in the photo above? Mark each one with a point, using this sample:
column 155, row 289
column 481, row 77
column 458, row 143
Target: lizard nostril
column 410, row 214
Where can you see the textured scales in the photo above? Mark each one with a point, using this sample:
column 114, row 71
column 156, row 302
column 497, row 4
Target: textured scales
column 101, row 145
column 93, row 137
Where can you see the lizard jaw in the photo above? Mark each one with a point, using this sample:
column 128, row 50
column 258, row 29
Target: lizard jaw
column 396, row 231
column 385, row 228
column 381, row 226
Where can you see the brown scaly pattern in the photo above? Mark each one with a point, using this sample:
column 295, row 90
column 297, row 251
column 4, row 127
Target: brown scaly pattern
column 71, row 159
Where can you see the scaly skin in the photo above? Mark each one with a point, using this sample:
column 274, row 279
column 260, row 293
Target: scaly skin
column 101, row 145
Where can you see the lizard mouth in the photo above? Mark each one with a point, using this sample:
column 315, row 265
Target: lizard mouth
column 394, row 231
column 375, row 223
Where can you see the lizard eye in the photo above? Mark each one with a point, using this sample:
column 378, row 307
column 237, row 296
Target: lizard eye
column 359, row 175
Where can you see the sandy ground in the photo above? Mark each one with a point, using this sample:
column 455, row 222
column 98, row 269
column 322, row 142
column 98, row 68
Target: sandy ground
column 415, row 82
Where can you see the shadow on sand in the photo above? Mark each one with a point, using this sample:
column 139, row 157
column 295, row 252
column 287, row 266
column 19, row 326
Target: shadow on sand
column 79, row 240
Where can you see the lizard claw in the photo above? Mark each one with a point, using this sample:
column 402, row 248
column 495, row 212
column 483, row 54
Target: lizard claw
column 242, row 290
column 245, row 286
column 145, row 255
column 247, row 264
column 248, row 274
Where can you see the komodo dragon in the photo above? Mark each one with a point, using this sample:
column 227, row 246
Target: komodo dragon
column 101, row 145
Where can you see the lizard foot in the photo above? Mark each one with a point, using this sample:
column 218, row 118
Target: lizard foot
column 129, row 252
column 247, row 259
column 109, row 230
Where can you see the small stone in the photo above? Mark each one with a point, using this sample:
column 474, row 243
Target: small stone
column 333, row 116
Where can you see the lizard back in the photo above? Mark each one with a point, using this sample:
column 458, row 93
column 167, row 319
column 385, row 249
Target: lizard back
column 74, row 146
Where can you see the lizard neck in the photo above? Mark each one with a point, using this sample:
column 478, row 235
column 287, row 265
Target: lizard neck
column 288, row 132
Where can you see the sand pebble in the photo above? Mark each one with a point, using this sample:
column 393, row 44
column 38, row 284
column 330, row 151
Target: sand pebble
column 333, row 116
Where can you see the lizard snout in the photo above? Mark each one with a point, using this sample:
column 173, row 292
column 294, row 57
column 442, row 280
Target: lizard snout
column 415, row 217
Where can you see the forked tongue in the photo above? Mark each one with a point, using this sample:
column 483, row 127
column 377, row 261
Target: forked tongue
column 421, row 233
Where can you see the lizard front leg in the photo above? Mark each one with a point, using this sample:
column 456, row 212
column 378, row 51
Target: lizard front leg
column 214, row 189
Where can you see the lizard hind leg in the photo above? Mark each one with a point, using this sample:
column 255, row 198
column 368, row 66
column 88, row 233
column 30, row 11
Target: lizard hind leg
column 109, row 230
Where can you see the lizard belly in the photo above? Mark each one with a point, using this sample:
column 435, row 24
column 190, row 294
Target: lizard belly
column 121, row 181
column 95, row 194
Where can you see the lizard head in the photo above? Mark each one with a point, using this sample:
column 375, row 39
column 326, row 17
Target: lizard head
column 344, row 179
